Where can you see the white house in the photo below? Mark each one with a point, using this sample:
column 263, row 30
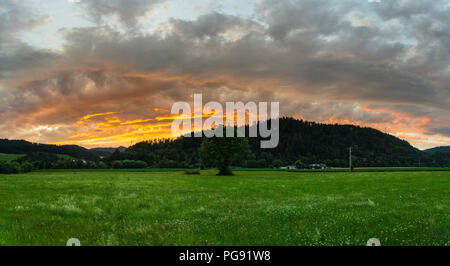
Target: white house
column 289, row 167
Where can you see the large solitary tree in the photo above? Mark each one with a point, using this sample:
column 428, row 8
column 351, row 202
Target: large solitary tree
column 221, row 152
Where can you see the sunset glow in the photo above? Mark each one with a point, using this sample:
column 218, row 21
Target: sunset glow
column 102, row 75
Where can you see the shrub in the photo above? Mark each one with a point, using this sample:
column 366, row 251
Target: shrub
column 262, row 163
column 300, row 165
column 27, row 167
column 129, row 164
column 277, row 163
column 192, row 172
column 13, row 167
column 116, row 164
column 252, row 164
column 102, row 165
column 164, row 163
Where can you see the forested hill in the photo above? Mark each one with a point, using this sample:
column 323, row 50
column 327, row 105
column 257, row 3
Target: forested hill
column 441, row 155
column 299, row 140
column 443, row 149
column 102, row 152
column 25, row 147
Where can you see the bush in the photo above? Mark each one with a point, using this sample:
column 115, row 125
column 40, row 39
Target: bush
column 91, row 165
column 168, row 164
column 262, row 163
column 226, row 172
column 102, row 165
column 9, row 168
column 252, row 164
column 129, row 164
column 300, row 165
column 27, row 167
column 192, row 172
column 117, row 164
column 13, row 167
column 277, row 163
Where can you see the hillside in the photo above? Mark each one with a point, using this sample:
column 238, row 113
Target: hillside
column 441, row 155
column 443, row 149
column 25, row 147
column 106, row 151
column 299, row 140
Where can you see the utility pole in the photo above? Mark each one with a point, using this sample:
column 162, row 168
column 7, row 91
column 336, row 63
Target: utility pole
column 350, row 159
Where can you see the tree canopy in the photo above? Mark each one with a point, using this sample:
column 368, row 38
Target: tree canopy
column 223, row 152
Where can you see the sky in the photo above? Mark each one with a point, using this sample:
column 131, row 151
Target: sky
column 105, row 73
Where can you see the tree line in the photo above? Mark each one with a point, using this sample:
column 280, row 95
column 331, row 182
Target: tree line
column 307, row 142
column 302, row 143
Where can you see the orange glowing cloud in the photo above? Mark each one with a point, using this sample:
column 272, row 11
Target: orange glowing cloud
column 113, row 131
column 87, row 117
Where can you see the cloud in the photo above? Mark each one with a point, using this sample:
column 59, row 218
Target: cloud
column 442, row 130
column 214, row 25
column 16, row 17
column 15, row 55
column 308, row 16
column 128, row 11
column 382, row 64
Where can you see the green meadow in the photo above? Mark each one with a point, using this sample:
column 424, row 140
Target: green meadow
column 251, row 208
column 9, row 157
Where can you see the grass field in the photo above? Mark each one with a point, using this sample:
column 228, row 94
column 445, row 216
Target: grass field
column 9, row 157
column 251, row 208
